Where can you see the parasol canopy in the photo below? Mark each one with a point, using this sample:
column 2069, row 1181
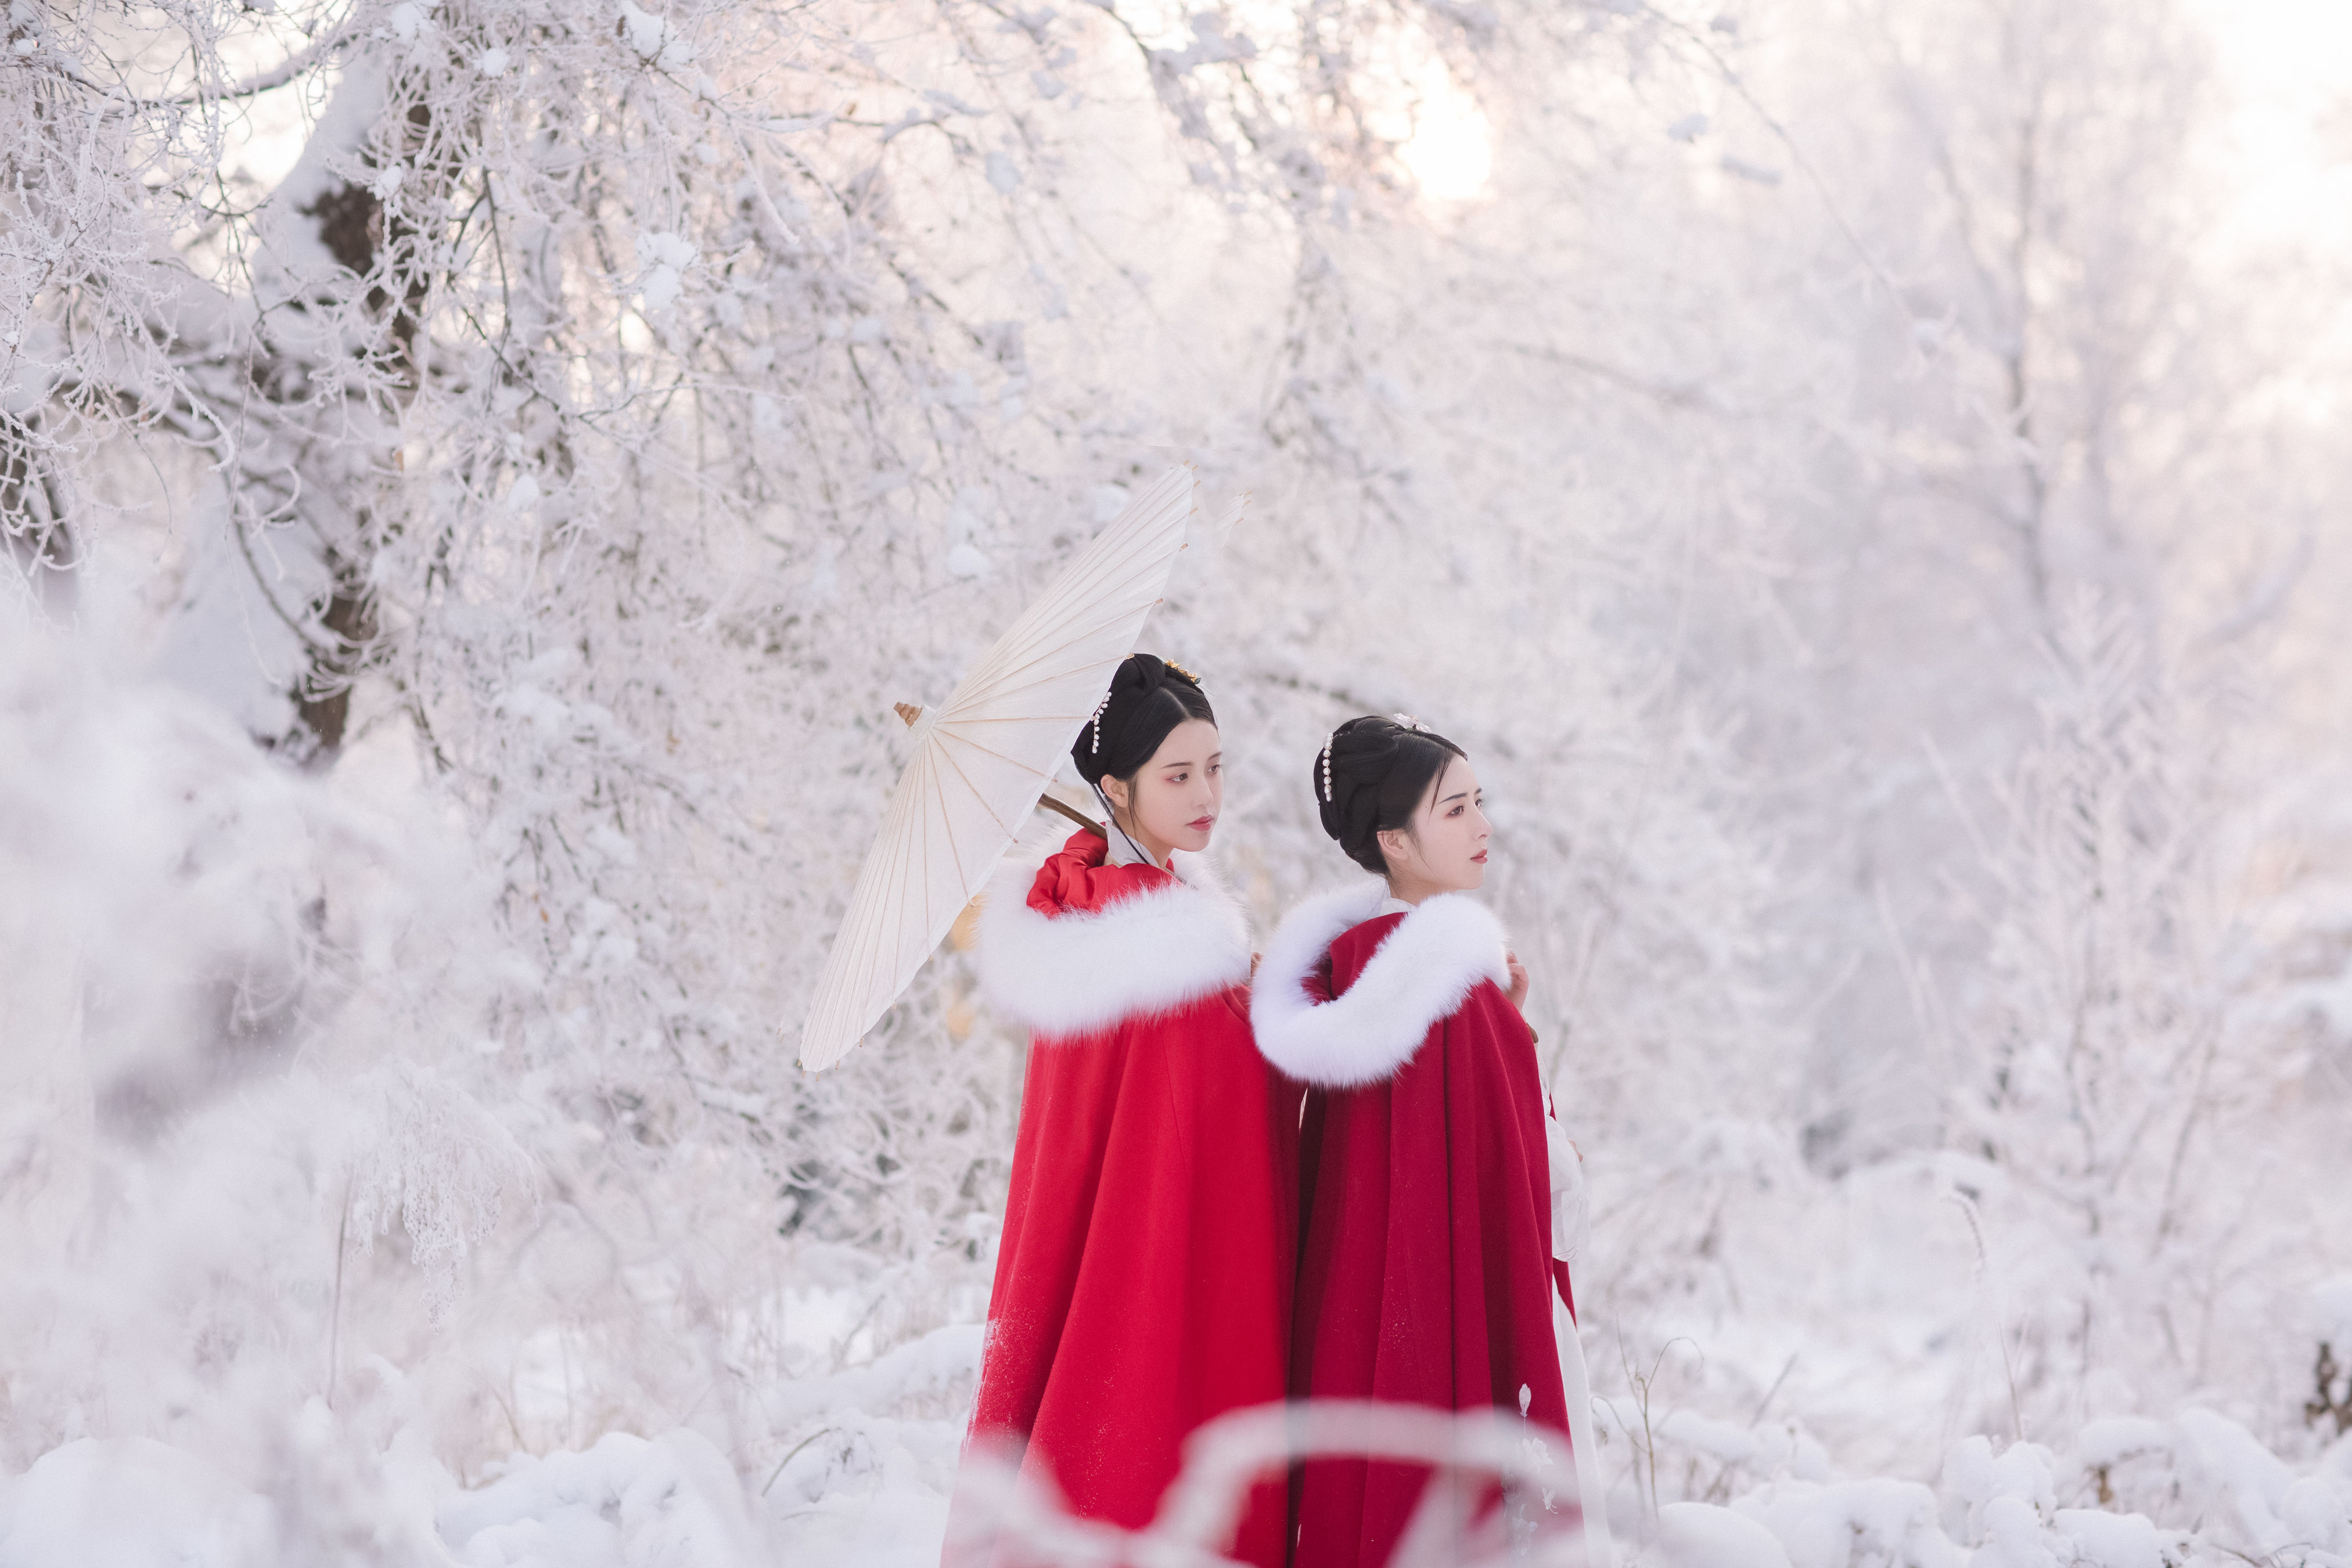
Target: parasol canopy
column 984, row 756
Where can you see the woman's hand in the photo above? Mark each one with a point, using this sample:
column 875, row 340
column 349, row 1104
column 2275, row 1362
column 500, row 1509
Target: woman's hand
column 1518, row 990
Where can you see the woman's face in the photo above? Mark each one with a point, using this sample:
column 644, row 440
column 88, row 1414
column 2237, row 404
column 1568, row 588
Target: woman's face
column 1179, row 794
column 1444, row 850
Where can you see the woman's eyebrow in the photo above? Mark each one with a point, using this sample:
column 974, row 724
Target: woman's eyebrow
column 1457, row 794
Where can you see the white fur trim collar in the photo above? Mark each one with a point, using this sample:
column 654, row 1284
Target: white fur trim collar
column 1420, row 973
column 1069, row 975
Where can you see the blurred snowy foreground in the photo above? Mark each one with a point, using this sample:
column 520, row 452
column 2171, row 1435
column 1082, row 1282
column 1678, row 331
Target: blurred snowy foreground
column 869, row 1489
column 874, row 1495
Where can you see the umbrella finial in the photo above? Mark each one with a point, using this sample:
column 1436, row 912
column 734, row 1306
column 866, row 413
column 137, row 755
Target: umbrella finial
column 908, row 712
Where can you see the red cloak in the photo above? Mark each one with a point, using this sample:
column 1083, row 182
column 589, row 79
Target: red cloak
column 1143, row 1281
column 1426, row 1271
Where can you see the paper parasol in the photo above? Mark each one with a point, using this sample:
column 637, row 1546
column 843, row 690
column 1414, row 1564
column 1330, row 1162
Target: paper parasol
column 984, row 757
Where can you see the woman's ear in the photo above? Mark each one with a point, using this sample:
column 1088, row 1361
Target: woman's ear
column 1115, row 791
column 1393, row 842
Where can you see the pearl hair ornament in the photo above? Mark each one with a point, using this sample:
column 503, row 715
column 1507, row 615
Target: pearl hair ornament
column 1402, row 722
column 1094, row 745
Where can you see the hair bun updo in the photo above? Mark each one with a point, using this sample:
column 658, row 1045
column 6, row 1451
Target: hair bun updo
column 1148, row 698
column 1370, row 777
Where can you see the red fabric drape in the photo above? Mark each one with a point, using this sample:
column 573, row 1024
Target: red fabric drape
column 1426, row 1266
column 1143, row 1281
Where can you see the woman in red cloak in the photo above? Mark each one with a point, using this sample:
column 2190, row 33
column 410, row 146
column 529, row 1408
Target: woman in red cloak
column 1143, row 1279
column 1426, row 1272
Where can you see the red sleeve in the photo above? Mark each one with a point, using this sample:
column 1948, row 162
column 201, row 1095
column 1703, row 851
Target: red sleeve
column 1078, row 881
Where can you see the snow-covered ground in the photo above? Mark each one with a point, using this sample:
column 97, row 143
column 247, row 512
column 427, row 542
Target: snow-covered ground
column 869, row 1489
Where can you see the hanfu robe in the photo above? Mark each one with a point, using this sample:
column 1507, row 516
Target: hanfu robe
column 1427, row 1274
column 1144, row 1276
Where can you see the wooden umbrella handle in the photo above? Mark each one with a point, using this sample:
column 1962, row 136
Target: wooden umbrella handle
column 1089, row 823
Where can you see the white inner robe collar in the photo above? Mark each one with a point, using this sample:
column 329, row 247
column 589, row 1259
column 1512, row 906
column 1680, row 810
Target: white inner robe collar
column 1125, row 853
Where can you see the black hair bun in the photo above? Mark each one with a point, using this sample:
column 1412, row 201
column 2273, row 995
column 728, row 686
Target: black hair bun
column 1148, row 698
column 1369, row 776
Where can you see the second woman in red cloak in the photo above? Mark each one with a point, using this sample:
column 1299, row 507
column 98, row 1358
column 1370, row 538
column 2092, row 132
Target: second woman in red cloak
column 1426, row 1272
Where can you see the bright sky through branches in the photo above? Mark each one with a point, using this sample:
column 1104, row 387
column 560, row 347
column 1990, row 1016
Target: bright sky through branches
column 1451, row 150
column 2288, row 66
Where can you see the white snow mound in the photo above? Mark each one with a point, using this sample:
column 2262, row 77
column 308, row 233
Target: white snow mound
column 1699, row 1535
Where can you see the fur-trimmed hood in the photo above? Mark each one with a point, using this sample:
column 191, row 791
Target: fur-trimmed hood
column 1420, row 973
column 1079, row 971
